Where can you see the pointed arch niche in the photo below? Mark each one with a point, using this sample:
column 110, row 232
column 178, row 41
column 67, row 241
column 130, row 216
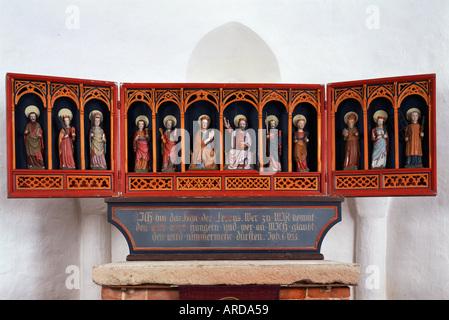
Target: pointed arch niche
column 232, row 52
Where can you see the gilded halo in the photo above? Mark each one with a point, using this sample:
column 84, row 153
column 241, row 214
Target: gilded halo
column 142, row 118
column 270, row 118
column 65, row 113
column 299, row 117
column 172, row 118
column 32, row 109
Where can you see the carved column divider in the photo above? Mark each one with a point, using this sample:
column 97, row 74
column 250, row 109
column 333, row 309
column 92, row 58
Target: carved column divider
column 183, row 136
column 222, row 133
column 429, row 108
column 332, row 135
column 13, row 112
column 82, row 129
column 153, row 121
column 124, row 109
column 290, row 133
column 112, row 126
column 320, row 137
column 365, row 126
column 49, row 144
column 396, row 125
column 260, row 135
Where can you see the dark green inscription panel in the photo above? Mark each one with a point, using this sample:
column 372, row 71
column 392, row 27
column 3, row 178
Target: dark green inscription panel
column 220, row 228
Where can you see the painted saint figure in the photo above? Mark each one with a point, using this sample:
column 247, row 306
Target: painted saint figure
column 239, row 155
column 97, row 142
column 413, row 136
column 301, row 139
column 379, row 137
column 66, row 138
column 169, row 138
column 34, row 142
column 203, row 156
column 274, row 143
column 140, row 144
column 351, row 136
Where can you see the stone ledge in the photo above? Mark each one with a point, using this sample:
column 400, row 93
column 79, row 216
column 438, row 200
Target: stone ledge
column 228, row 272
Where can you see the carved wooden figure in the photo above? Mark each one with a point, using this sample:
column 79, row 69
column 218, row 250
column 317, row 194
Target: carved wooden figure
column 34, row 142
column 414, row 136
column 169, row 138
column 301, row 139
column 352, row 148
column 97, row 139
column 140, row 144
column 379, row 137
column 274, row 143
column 241, row 141
column 66, row 138
column 203, row 156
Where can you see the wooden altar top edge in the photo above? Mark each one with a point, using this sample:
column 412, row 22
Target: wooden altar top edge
column 197, row 199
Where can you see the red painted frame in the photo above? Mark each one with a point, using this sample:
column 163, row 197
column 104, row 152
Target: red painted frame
column 120, row 177
column 175, row 191
column 430, row 172
column 64, row 175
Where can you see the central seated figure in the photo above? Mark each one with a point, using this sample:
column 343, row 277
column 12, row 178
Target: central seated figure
column 240, row 155
column 203, row 156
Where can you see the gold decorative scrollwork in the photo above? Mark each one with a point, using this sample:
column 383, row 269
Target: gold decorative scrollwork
column 150, row 183
column 248, row 95
column 274, row 95
column 296, row 183
column 165, row 95
column 191, row 96
column 419, row 180
column 347, row 182
column 58, row 90
column 39, row 182
column 247, row 183
column 338, row 95
column 88, row 182
column 380, row 91
column 420, row 88
column 309, row 96
column 101, row 93
column 137, row 95
column 22, row 87
column 198, row 183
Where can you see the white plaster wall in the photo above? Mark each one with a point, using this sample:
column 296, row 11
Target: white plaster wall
column 316, row 41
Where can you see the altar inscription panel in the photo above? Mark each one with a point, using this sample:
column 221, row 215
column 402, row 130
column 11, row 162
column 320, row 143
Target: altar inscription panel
column 224, row 228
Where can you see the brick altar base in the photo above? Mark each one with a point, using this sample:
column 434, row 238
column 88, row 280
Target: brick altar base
column 160, row 280
column 171, row 293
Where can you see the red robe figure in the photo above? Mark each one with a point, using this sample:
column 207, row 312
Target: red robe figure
column 66, row 138
column 169, row 140
column 351, row 136
column 34, row 142
column 140, row 145
column 300, row 148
